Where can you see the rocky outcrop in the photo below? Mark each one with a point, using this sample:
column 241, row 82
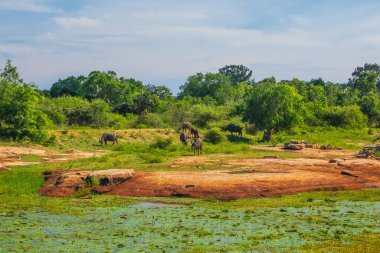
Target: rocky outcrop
column 293, row 146
column 67, row 182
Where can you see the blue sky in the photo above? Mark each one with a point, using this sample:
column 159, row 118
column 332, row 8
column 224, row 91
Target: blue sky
column 164, row 42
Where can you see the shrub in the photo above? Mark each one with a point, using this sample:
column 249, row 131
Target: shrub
column 149, row 120
column 117, row 121
column 346, row 117
column 214, row 136
column 151, row 158
column 251, row 129
column 20, row 119
column 162, row 143
column 203, row 114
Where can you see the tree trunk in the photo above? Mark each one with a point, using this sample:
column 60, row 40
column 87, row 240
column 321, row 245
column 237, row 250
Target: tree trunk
column 267, row 135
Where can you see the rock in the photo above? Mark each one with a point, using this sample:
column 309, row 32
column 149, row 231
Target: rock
column 114, row 176
column 327, row 147
column 293, row 146
column 315, row 146
column 348, row 174
column 298, row 142
column 270, row 157
column 64, row 181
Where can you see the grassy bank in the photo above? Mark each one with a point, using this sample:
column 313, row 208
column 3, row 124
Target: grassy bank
column 338, row 221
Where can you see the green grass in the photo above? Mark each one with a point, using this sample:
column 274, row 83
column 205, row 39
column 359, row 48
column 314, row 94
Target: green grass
column 194, row 228
column 338, row 137
column 196, row 223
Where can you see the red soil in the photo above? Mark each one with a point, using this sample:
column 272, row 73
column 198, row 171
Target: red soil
column 253, row 178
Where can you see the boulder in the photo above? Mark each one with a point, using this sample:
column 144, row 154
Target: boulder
column 270, row 157
column 298, row 142
column 293, row 146
column 62, row 182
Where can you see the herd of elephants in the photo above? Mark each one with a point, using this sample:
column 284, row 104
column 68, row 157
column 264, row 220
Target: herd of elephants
column 187, row 132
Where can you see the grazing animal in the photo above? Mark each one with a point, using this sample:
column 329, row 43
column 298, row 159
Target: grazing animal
column 233, row 129
column 194, row 132
column 197, row 145
column 186, row 125
column 108, row 137
column 183, row 138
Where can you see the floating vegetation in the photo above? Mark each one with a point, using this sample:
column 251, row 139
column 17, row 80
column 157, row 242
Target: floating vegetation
column 151, row 226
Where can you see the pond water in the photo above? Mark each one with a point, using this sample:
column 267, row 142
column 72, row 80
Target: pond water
column 152, row 227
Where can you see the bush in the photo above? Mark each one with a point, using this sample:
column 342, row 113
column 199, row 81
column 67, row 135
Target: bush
column 203, row 114
column 151, row 158
column 162, row 143
column 117, row 121
column 149, row 120
column 214, row 136
column 251, row 129
column 346, row 117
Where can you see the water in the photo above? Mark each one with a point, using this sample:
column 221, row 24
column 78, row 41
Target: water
column 151, row 226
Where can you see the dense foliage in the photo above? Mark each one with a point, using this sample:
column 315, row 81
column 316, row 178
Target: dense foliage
column 19, row 116
column 208, row 100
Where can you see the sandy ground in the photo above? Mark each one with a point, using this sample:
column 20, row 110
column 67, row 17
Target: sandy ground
column 11, row 156
column 244, row 178
column 256, row 178
column 311, row 153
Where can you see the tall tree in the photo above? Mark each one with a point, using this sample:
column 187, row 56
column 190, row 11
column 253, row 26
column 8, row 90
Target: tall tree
column 19, row 116
column 237, row 73
column 10, row 74
column 365, row 79
column 201, row 85
column 70, row 86
column 273, row 108
column 160, row 91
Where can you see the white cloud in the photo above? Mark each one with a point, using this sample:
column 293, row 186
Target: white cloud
column 69, row 22
column 167, row 41
column 168, row 15
column 27, row 5
column 299, row 20
column 373, row 40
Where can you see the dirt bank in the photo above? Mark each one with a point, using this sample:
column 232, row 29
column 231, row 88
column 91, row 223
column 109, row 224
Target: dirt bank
column 12, row 156
column 253, row 178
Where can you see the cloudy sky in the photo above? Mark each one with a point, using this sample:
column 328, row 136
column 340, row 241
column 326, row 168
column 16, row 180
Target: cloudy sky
column 163, row 42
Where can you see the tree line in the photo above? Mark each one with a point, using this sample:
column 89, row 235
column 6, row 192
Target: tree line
column 103, row 99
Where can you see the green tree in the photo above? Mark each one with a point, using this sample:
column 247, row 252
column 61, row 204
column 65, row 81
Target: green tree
column 19, row 116
column 10, row 74
column 201, row 85
column 318, row 82
column 370, row 106
column 70, row 86
column 334, row 93
column 345, row 116
column 365, row 79
column 160, row 91
column 237, row 73
column 273, row 107
column 144, row 101
column 122, row 94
